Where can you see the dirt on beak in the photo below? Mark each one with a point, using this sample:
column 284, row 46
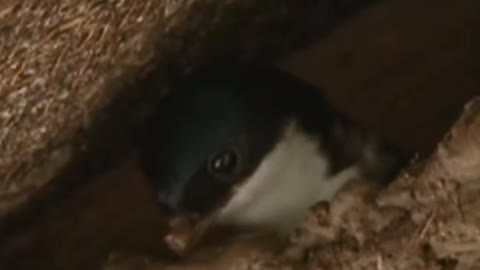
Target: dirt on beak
column 187, row 231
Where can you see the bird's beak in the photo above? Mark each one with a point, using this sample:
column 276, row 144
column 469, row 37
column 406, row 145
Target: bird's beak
column 187, row 230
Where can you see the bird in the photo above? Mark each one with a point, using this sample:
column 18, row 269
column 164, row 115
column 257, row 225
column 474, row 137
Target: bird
column 257, row 146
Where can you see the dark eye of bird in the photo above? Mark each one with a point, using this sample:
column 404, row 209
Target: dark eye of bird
column 224, row 163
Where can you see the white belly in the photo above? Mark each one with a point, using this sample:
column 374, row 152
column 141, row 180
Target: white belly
column 290, row 179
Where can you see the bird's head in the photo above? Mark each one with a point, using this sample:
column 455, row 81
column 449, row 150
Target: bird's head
column 253, row 145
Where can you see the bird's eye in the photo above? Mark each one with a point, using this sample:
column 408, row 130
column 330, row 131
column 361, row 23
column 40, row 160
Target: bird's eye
column 224, row 163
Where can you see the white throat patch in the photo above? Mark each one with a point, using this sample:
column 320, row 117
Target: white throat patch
column 290, row 179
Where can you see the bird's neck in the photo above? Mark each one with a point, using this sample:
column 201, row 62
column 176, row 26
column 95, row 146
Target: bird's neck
column 302, row 170
column 349, row 144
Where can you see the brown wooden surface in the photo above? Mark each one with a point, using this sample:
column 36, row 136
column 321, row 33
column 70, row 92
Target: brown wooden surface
column 406, row 68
